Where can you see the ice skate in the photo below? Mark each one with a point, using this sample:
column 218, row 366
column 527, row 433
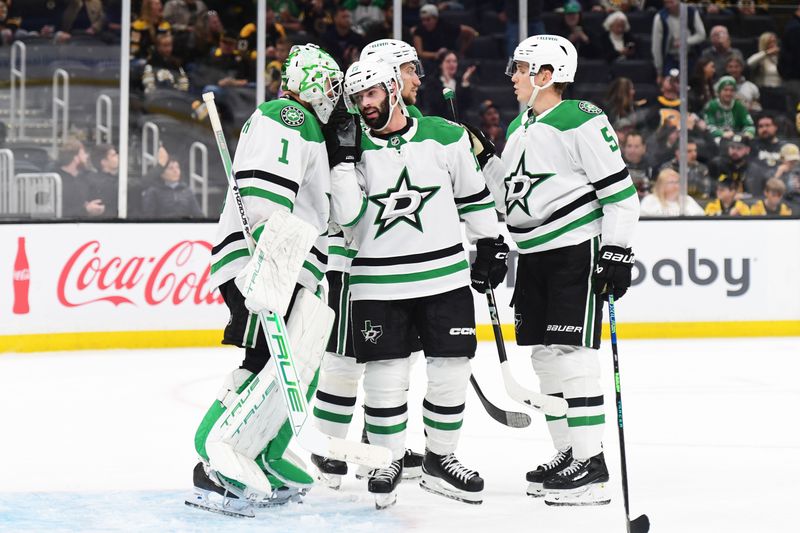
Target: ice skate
column 412, row 465
column 446, row 476
column 581, row 483
column 329, row 471
column 545, row 471
column 383, row 484
column 212, row 496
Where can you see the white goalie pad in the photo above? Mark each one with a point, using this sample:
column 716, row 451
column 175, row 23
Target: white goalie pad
column 249, row 423
column 268, row 279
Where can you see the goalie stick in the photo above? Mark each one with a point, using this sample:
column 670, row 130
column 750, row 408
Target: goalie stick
column 308, row 437
column 642, row 523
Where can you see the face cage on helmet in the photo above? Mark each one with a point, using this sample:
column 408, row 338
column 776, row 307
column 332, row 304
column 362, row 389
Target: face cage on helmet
column 324, row 103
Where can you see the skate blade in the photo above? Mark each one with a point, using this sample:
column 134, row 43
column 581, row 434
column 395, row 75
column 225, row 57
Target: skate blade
column 363, row 472
column 281, row 497
column 221, row 505
column 384, row 501
column 412, row 473
column 332, row 481
column 536, row 490
column 435, row 486
column 592, row 494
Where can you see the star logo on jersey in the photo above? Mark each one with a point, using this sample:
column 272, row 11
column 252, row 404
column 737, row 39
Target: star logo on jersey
column 401, row 203
column 372, row 333
column 520, row 185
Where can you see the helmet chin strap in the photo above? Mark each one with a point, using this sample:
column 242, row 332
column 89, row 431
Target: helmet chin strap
column 536, row 89
column 391, row 108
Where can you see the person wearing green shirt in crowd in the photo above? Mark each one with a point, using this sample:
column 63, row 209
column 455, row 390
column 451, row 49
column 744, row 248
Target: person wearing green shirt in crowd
column 725, row 115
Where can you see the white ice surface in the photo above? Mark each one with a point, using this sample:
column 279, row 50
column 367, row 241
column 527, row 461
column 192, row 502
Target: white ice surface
column 103, row 441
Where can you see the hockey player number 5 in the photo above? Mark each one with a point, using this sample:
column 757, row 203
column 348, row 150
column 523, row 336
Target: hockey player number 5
column 612, row 142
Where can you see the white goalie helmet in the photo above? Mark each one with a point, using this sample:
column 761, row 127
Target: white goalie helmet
column 313, row 75
column 363, row 75
column 540, row 50
column 395, row 54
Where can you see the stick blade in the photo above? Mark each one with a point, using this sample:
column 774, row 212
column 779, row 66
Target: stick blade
column 517, row 420
column 639, row 525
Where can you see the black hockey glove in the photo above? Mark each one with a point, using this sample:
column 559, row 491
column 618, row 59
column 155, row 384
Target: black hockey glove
column 342, row 136
column 489, row 267
column 482, row 147
column 613, row 271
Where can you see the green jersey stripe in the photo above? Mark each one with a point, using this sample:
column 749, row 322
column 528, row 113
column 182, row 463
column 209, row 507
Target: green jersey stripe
column 416, row 276
column 233, row 256
column 547, row 237
column 549, row 418
column 361, row 211
column 332, row 417
column 586, row 421
column 386, row 430
column 314, row 270
column 618, row 197
column 444, row 426
column 341, row 250
column 261, row 193
column 475, row 207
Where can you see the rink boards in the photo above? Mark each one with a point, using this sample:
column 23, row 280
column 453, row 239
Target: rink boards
column 107, row 285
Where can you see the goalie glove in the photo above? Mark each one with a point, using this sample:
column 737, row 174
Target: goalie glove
column 342, row 136
column 489, row 267
column 482, row 147
column 613, row 271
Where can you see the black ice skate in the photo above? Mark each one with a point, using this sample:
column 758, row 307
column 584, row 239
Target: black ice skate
column 216, row 494
column 329, row 471
column 446, row 476
column 412, row 464
column 383, row 484
column 581, row 483
column 545, row 471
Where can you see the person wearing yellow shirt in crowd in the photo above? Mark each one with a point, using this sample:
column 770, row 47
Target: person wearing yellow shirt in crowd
column 772, row 204
column 726, row 203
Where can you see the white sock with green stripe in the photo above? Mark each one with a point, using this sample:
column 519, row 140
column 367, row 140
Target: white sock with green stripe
column 336, row 394
column 443, row 407
column 579, row 368
column 386, row 408
column 544, row 364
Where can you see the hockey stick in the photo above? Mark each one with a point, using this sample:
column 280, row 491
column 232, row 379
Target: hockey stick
column 641, row 524
column 450, row 97
column 511, row 419
column 276, row 334
column 549, row 405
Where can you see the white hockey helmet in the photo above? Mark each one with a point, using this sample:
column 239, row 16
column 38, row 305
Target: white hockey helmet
column 313, row 75
column 394, row 53
column 540, row 50
column 363, row 75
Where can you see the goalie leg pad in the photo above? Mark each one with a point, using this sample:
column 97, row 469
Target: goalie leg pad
column 546, row 368
column 386, row 409
column 443, row 407
column 267, row 281
column 336, row 396
column 579, row 369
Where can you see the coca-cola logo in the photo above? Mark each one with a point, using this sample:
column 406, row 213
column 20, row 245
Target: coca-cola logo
column 89, row 277
column 22, row 275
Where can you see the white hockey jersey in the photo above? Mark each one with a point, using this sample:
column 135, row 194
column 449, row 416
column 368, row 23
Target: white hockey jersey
column 280, row 163
column 419, row 181
column 563, row 180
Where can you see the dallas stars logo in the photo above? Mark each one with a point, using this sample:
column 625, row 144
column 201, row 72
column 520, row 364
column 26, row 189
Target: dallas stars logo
column 372, row 333
column 520, row 185
column 403, row 202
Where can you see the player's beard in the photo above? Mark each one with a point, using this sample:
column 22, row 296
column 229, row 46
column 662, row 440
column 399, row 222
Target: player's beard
column 382, row 119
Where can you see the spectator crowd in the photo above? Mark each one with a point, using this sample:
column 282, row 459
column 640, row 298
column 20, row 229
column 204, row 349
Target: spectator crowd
column 743, row 70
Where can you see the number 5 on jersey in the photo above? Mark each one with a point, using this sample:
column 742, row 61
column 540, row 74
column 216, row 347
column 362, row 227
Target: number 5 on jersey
column 612, row 142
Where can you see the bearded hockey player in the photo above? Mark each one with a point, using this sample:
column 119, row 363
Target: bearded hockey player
column 410, row 278
column 571, row 208
column 281, row 169
column 340, row 373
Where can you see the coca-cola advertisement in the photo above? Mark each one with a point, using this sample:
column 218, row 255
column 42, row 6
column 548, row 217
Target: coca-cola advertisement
column 108, row 278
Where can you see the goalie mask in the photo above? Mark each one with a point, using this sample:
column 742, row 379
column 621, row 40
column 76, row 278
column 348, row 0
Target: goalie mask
column 314, row 76
column 364, row 75
column 541, row 50
column 395, row 54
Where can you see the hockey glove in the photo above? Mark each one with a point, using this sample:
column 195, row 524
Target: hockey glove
column 342, row 136
column 489, row 268
column 482, row 147
column 613, row 271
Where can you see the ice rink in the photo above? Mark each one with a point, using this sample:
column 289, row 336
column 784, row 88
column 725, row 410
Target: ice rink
column 103, row 441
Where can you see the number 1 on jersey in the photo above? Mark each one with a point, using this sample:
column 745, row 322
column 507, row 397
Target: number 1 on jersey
column 612, row 142
column 284, row 152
